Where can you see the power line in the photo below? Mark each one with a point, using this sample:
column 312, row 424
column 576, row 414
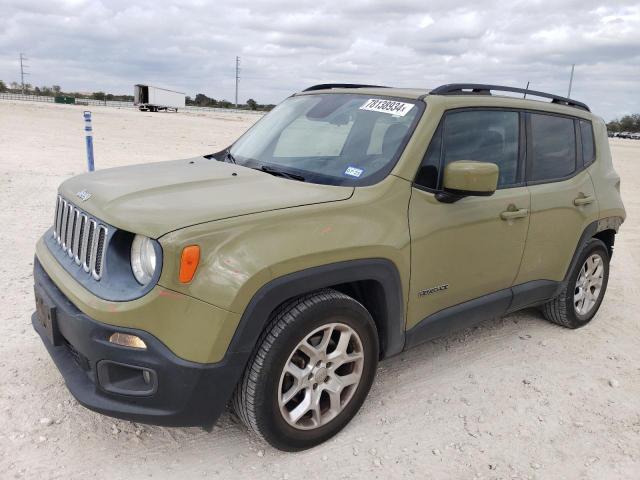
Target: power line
column 237, row 78
column 22, row 72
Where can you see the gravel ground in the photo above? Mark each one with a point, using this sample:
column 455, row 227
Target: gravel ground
column 515, row 397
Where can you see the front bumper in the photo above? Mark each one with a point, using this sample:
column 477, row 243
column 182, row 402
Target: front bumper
column 180, row 393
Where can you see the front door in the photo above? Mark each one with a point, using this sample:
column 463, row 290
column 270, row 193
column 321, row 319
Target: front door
column 473, row 247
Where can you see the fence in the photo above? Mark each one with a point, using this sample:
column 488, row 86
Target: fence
column 114, row 103
column 51, row 99
column 223, row 110
column 31, row 98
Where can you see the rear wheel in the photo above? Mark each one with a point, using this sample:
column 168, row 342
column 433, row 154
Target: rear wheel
column 311, row 372
column 579, row 300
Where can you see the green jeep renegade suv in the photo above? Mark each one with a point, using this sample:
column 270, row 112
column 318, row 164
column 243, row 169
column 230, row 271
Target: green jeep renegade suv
column 349, row 224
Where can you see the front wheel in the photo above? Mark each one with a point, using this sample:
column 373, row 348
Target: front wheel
column 311, row 372
column 579, row 300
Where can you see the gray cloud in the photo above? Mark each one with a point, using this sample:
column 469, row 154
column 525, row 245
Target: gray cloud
column 286, row 45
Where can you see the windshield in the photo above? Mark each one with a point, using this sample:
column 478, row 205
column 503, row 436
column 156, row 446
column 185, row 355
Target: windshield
column 335, row 139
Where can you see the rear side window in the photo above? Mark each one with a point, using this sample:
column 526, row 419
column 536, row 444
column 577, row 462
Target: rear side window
column 588, row 150
column 553, row 143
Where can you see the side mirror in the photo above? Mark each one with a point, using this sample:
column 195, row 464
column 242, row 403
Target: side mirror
column 465, row 178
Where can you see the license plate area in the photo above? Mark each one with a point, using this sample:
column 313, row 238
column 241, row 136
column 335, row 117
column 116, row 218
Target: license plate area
column 46, row 313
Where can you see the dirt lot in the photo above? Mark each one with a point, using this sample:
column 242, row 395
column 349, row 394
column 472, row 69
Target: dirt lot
column 513, row 398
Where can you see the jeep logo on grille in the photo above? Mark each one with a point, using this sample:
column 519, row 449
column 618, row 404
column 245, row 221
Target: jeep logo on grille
column 83, row 195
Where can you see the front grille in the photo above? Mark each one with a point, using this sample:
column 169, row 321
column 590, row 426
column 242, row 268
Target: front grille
column 80, row 237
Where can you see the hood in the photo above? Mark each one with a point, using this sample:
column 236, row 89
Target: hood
column 157, row 198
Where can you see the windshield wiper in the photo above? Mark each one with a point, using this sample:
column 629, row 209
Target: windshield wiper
column 229, row 158
column 281, row 173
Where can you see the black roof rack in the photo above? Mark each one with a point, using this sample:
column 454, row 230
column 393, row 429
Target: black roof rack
column 327, row 86
column 481, row 89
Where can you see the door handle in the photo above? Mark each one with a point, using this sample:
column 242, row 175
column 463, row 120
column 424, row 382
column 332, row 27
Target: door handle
column 512, row 214
column 584, row 200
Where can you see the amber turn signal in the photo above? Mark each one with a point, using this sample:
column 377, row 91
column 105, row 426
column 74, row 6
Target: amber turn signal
column 127, row 340
column 189, row 263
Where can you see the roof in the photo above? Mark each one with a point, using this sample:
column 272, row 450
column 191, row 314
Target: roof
column 412, row 93
column 455, row 90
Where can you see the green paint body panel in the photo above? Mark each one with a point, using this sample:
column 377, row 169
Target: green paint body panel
column 464, row 245
column 254, row 228
column 155, row 198
column 240, row 255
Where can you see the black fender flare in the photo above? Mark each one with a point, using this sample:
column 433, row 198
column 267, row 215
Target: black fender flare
column 591, row 230
column 258, row 312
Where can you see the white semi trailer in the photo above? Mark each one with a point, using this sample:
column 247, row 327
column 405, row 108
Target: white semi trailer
column 154, row 99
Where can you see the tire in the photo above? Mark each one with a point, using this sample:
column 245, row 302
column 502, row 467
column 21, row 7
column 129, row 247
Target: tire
column 566, row 309
column 305, row 325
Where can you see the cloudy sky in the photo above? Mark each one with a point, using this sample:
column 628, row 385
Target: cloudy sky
column 286, row 45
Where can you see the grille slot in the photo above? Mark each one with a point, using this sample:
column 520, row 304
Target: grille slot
column 71, row 236
column 63, row 229
column 84, row 249
column 55, row 219
column 68, row 228
column 88, row 265
column 101, row 237
column 82, row 238
column 79, row 239
column 59, row 209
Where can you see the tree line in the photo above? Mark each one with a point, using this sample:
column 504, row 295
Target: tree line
column 200, row 99
column 628, row 123
column 56, row 90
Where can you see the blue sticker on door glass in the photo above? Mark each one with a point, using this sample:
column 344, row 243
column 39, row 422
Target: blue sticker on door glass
column 353, row 172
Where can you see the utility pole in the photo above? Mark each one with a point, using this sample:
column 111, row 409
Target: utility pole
column 571, row 80
column 237, row 78
column 22, row 72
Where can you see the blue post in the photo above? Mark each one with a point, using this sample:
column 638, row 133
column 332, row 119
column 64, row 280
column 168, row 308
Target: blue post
column 88, row 133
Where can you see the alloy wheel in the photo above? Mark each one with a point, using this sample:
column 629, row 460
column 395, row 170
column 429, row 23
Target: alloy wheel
column 588, row 285
column 321, row 376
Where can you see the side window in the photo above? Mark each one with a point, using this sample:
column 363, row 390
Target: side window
column 481, row 135
column 485, row 136
column 553, row 144
column 428, row 173
column 588, row 150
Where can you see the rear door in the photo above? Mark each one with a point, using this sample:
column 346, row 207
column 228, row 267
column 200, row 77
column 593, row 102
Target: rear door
column 563, row 199
column 468, row 249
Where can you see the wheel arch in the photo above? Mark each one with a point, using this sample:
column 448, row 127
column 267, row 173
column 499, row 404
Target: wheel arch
column 608, row 237
column 604, row 230
column 373, row 282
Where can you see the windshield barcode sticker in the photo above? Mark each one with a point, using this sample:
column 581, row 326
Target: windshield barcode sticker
column 353, row 171
column 387, row 106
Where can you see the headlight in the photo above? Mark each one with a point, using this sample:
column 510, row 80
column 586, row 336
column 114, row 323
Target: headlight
column 143, row 259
